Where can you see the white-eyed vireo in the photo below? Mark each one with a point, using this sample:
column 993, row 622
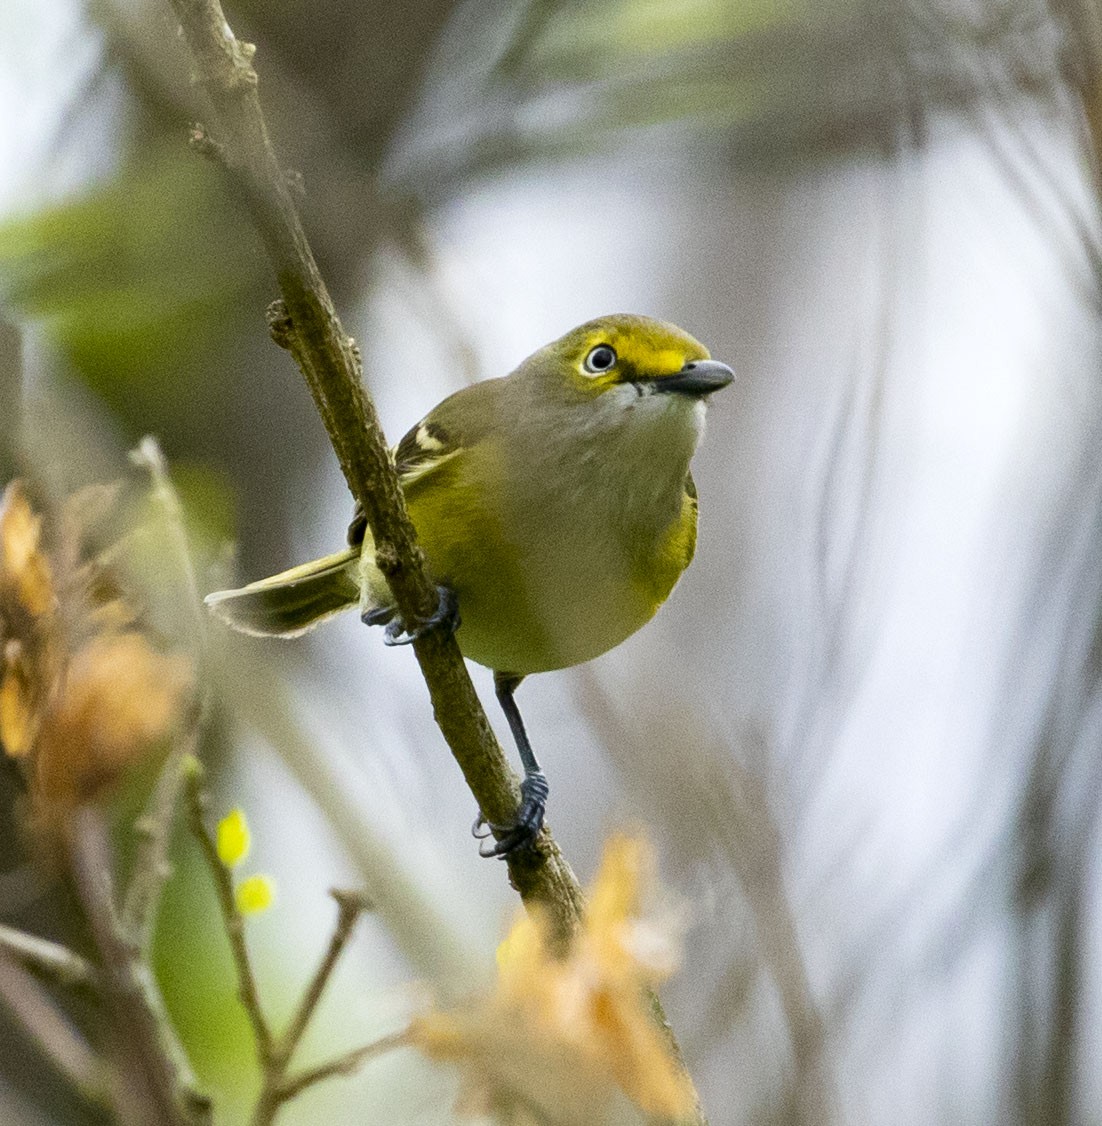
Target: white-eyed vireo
column 555, row 508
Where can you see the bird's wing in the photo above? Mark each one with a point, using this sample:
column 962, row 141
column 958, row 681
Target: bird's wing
column 426, row 447
column 451, row 427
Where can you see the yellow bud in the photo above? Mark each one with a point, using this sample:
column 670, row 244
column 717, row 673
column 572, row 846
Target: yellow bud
column 234, row 839
column 256, row 894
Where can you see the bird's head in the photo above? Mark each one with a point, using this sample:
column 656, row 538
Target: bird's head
column 631, row 357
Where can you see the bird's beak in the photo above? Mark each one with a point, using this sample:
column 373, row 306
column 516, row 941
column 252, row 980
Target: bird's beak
column 699, row 378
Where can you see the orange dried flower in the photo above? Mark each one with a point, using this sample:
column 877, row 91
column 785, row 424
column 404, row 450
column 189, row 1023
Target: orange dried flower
column 559, row 1035
column 121, row 698
column 30, row 650
column 83, row 693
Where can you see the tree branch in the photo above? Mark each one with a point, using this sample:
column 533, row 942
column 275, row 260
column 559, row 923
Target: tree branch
column 350, row 906
column 232, row 921
column 148, row 455
column 277, row 1088
column 154, row 827
column 154, row 1085
column 274, row 1054
column 46, row 958
column 55, row 1036
column 344, row 1064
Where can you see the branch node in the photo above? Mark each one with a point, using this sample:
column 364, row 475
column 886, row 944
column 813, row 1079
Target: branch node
column 200, row 141
column 387, row 559
column 351, row 901
column 280, row 325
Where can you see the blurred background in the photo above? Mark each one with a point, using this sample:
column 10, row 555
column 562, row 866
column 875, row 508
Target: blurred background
column 864, row 733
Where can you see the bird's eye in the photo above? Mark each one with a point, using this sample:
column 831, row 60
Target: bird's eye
column 600, row 359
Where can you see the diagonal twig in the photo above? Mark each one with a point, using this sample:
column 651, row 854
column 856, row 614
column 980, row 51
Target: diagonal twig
column 155, row 1087
column 276, row 1087
column 154, row 828
column 274, row 1054
column 232, row 919
column 59, row 1041
column 344, row 1064
column 350, row 905
column 48, row 959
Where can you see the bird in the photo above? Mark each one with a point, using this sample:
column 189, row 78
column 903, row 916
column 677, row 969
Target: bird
column 556, row 511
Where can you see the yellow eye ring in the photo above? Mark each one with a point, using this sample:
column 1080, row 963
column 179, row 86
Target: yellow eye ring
column 600, row 359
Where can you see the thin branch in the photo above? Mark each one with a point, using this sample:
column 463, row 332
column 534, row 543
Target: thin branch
column 48, row 959
column 345, row 1064
column 153, row 1081
column 151, row 864
column 58, row 1040
column 149, row 456
column 275, row 1088
column 350, row 906
column 306, row 323
column 231, row 918
column 274, row 1055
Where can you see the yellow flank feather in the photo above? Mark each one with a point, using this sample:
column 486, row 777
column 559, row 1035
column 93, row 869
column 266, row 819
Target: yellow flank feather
column 674, row 552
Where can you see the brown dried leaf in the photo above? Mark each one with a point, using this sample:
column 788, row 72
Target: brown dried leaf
column 83, row 693
column 24, row 569
column 122, row 698
column 560, row 1033
column 18, row 718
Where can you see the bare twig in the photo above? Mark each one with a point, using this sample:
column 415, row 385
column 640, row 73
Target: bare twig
column 151, row 865
column 154, row 828
column 231, row 918
column 274, row 1054
column 59, row 1041
column 153, row 1081
column 345, row 1064
column 276, row 1087
column 149, row 456
column 46, row 958
column 350, row 905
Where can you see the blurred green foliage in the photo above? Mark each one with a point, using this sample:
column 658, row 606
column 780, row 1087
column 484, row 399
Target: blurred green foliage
column 192, row 961
column 132, row 281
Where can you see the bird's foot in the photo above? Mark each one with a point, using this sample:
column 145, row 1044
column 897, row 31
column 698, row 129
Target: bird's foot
column 444, row 617
column 523, row 831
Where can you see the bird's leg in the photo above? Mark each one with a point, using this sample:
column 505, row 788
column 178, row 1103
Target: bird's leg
column 533, row 789
column 445, row 617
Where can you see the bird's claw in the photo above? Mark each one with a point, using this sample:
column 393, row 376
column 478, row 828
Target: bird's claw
column 523, row 831
column 444, row 617
column 378, row 616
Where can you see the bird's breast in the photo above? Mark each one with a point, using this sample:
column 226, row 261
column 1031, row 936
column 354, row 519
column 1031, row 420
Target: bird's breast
column 561, row 558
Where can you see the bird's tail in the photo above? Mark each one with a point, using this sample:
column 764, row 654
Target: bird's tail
column 290, row 603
